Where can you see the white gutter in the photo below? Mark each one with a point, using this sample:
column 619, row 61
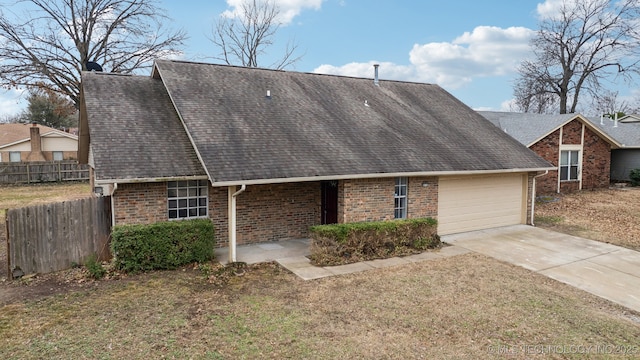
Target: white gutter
column 232, row 219
column 375, row 175
column 148, row 180
column 533, row 195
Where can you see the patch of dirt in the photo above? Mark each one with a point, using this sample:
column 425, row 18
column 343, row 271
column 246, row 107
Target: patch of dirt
column 607, row 215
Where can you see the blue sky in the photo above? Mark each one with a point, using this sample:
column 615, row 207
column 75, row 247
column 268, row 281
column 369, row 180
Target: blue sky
column 471, row 48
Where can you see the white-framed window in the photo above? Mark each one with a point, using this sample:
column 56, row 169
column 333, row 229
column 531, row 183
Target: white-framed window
column 187, row 199
column 569, row 165
column 400, row 198
column 14, row 156
column 57, row 156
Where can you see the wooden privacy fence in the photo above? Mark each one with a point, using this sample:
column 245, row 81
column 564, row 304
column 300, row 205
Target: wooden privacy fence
column 42, row 171
column 52, row 237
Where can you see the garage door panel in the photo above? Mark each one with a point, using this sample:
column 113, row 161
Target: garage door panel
column 474, row 203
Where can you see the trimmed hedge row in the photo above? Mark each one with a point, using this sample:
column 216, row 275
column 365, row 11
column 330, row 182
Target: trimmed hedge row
column 337, row 244
column 163, row 245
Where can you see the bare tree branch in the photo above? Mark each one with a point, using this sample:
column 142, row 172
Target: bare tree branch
column 585, row 43
column 243, row 40
column 48, row 46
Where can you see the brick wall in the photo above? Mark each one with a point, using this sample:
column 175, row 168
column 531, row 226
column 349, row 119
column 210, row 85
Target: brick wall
column 596, row 159
column 281, row 211
column 548, row 148
column 572, row 133
column 372, row 199
column 143, row 203
column 268, row 212
column 422, row 196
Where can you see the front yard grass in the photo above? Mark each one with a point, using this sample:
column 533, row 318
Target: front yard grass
column 467, row 306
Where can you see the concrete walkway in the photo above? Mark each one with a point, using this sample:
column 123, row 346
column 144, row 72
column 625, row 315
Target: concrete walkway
column 605, row 270
column 292, row 255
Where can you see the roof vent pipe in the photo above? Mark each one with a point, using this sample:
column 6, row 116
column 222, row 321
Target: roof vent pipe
column 615, row 123
column 375, row 78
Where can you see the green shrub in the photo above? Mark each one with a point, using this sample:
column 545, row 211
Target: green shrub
column 163, row 245
column 351, row 242
column 96, row 271
column 634, row 175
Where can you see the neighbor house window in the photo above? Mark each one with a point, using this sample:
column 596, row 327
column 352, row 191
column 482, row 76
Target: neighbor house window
column 57, row 156
column 569, row 161
column 14, row 156
column 187, row 199
column 400, row 198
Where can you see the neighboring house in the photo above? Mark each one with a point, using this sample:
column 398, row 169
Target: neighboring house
column 30, row 142
column 627, row 132
column 631, row 118
column 265, row 154
column 579, row 150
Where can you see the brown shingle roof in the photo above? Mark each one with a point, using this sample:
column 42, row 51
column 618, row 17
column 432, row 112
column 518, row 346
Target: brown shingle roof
column 10, row 133
column 321, row 125
column 134, row 130
column 310, row 126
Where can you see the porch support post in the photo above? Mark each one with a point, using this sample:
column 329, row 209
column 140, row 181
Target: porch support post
column 231, row 201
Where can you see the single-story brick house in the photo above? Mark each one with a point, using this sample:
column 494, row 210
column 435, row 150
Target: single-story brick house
column 579, row 150
column 265, row 154
column 31, row 142
column 626, row 131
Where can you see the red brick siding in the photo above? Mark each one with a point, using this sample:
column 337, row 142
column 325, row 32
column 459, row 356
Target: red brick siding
column 275, row 212
column 372, row 199
column 422, row 196
column 572, row 133
column 549, row 149
column 367, row 200
column 143, row 203
column 596, row 161
column 281, row 211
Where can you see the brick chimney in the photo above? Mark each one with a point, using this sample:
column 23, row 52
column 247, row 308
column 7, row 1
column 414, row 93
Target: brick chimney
column 36, row 144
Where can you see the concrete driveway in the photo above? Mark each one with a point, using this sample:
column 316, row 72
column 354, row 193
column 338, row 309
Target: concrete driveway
column 605, row 270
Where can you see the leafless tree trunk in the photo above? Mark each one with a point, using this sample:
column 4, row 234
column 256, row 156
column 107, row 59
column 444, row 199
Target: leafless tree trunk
column 243, row 39
column 582, row 45
column 51, row 43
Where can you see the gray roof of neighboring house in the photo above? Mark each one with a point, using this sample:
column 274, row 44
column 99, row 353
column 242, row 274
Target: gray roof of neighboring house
column 310, row 126
column 135, row 132
column 626, row 133
column 527, row 128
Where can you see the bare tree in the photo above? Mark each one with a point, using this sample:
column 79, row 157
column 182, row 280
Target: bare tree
column 582, row 45
column 531, row 97
column 607, row 102
column 51, row 43
column 242, row 39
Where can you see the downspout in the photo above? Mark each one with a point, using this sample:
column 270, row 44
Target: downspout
column 113, row 206
column 232, row 219
column 533, row 195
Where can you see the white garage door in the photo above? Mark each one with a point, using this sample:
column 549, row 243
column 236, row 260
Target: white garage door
column 480, row 202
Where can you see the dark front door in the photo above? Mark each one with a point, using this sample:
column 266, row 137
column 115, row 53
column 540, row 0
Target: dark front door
column 329, row 202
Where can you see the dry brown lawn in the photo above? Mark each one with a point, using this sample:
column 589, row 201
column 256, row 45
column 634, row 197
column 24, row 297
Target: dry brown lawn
column 463, row 307
column 609, row 215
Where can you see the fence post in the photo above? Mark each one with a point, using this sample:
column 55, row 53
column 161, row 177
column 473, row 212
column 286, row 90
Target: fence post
column 28, row 175
column 8, row 245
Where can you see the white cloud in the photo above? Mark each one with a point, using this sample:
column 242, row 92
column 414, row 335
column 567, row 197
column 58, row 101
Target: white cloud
column 12, row 102
column 289, row 9
column 484, row 52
